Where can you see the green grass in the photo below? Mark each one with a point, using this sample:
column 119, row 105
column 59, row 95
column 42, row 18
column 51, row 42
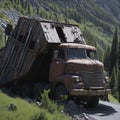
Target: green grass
column 112, row 99
column 25, row 110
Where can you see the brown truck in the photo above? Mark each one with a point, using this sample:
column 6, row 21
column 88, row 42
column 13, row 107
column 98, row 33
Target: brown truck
column 43, row 54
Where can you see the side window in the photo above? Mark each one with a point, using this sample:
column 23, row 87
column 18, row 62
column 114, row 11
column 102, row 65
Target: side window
column 59, row 54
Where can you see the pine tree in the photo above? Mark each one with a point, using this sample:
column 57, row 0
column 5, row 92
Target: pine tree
column 66, row 12
column 113, row 63
column 113, row 54
column 29, row 9
column 118, row 53
column 11, row 1
column 112, row 81
column 56, row 14
column 118, row 65
column 106, row 58
column 26, row 4
column 22, row 3
column 38, row 10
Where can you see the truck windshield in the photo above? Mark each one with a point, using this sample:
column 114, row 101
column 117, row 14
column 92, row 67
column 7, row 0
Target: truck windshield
column 92, row 54
column 76, row 53
column 81, row 53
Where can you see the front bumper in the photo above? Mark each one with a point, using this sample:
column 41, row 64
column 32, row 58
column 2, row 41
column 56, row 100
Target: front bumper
column 82, row 92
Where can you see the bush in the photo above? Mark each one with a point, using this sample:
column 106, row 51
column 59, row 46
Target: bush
column 41, row 116
column 50, row 105
column 50, row 110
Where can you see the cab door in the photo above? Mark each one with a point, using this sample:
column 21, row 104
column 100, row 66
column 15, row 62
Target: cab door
column 57, row 65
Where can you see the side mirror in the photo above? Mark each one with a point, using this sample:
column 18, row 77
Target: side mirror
column 8, row 29
column 55, row 54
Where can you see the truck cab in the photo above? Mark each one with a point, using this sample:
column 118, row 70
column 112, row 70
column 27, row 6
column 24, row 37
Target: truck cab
column 76, row 70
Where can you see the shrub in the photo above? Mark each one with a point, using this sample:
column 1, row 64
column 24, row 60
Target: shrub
column 50, row 110
column 41, row 116
column 50, row 105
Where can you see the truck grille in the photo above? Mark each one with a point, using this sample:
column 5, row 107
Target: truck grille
column 93, row 80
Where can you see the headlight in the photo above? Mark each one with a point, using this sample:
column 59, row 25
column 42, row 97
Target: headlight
column 76, row 79
column 106, row 79
column 77, row 82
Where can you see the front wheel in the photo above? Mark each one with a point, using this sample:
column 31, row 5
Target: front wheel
column 61, row 93
column 93, row 101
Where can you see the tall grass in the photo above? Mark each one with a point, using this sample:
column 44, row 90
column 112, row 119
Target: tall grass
column 113, row 100
column 24, row 110
column 28, row 111
column 53, row 110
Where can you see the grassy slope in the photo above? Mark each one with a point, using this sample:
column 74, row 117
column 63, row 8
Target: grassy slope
column 97, row 27
column 113, row 100
column 25, row 110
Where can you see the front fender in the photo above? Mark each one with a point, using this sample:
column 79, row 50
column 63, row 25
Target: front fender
column 66, row 80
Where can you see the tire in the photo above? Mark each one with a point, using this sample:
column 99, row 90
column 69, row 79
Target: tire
column 93, row 101
column 27, row 90
column 38, row 90
column 61, row 93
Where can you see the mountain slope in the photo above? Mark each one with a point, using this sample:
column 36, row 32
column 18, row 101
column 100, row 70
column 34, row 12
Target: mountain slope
column 96, row 18
column 99, row 12
column 13, row 107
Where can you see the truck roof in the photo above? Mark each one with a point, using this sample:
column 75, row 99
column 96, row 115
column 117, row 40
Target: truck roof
column 77, row 45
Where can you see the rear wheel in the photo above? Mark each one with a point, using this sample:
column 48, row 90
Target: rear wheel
column 93, row 101
column 39, row 89
column 27, row 90
column 61, row 93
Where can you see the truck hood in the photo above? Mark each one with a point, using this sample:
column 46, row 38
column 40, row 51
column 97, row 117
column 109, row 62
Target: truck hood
column 77, row 65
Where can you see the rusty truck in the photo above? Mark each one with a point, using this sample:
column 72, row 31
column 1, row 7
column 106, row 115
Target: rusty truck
column 41, row 54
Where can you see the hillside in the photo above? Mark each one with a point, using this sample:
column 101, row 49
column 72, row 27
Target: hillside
column 97, row 18
column 15, row 108
column 21, row 110
column 100, row 16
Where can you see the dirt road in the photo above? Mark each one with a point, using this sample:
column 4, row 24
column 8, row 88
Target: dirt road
column 105, row 111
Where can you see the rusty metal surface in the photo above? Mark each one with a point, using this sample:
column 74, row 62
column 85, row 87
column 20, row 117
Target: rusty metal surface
column 50, row 33
column 56, row 70
column 93, row 80
column 77, row 45
column 69, row 71
column 78, row 65
column 58, row 33
column 82, row 92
